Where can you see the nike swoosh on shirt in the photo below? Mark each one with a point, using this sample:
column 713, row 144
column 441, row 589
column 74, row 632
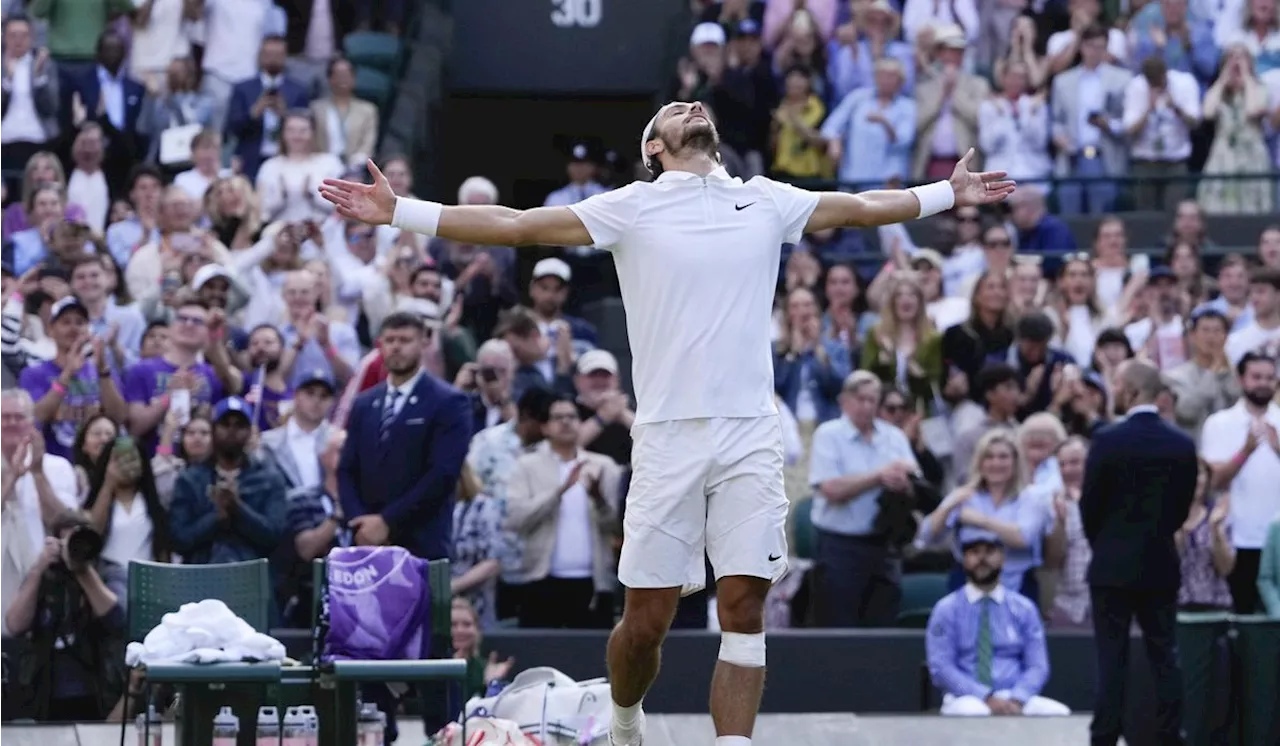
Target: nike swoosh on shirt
column 740, row 208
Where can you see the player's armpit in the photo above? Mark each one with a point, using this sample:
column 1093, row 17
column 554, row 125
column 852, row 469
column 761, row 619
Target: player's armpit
column 502, row 226
column 863, row 210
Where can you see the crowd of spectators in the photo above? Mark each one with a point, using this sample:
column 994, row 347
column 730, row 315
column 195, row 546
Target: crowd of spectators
column 193, row 343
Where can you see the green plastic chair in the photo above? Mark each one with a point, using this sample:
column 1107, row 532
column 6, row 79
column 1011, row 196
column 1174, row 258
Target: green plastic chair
column 156, row 588
column 372, row 49
column 374, row 86
column 802, row 528
column 920, row 591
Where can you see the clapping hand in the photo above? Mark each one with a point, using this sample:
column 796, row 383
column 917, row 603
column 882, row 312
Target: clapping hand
column 496, row 670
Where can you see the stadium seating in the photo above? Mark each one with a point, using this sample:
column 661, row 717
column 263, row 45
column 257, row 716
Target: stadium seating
column 802, row 528
column 374, row 50
column 920, row 591
column 157, row 588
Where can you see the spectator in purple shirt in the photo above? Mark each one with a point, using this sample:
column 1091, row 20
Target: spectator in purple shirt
column 77, row 384
column 149, row 384
column 268, row 385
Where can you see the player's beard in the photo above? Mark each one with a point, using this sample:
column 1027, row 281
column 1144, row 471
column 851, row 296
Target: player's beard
column 697, row 137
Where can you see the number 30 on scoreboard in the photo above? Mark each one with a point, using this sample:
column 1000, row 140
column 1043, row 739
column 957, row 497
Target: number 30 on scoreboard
column 577, row 13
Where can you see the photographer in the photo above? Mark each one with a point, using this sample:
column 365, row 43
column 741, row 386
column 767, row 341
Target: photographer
column 73, row 667
column 487, row 382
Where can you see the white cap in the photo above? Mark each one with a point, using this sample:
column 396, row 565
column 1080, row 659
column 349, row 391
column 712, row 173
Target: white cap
column 594, row 360
column 428, row 310
column 552, row 267
column 707, row 33
column 950, row 36
column 209, row 272
column 477, row 186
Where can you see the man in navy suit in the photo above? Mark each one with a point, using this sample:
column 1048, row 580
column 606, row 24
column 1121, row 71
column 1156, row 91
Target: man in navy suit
column 113, row 100
column 1139, row 481
column 258, row 106
column 406, row 442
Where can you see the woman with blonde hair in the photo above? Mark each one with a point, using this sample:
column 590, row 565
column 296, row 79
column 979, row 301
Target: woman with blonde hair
column 1076, row 312
column 1237, row 102
column 478, row 543
column 994, row 503
column 904, row 349
column 1204, row 545
column 1039, row 436
column 467, row 639
column 42, row 168
column 288, row 183
column 232, row 209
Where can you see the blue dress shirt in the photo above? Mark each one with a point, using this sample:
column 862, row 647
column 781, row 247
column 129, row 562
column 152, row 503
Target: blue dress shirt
column 870, row 157
column 840, row 449
column 1019, row 660
column 1030, row 512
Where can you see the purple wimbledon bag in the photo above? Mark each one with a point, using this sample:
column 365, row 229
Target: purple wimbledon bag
column 379, row 605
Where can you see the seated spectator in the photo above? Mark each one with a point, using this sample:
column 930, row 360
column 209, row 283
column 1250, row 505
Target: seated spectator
column 34, row 246
column 487, row 382
column 548, row 291
column 799, row 150
column 233, row 212
column 31, row 119
column 258, row 106
column 1013, row 129
column 1066, row 549
column 124, row 508
column 119, row 326
column 558, row 494
column 606, row 411
column 346, row 127
column 467, row 642
column 87, row 184
column 1161, row 108
column 809, row 367
column 484, row 276
column 846, row 316
column 288, row 183
column 231, row 508
column 319, row 343
column 94, row 435
column 93, row 98
column 986, row 334
column 894, row 410
column 478, row 547
column 142, row 227
column 1159, row 335
column 1038, row 231
column 294, row 447
column 160, row 264
column 871, row 132
column 269, row 382
column 1165, row 31
column 314, row 525
column 1204, row 543
column 995, row 500
column 42, row 168
column 75, row 626
column 904, row 346
column 1263, row 335
column 1205, row 383
column 37, row 488
column 1039, row 438
column 519, row 328
column 857, row 461
column 986, row 647
column 1237, row 102
column 1078, row 316
column 1195, row 286
column 1029, row 289
column 871, row 36
column 945, row 311
column 77, row 383
column 1269, row 571
column 999, row 388
column 206, row 168
column 182, row 108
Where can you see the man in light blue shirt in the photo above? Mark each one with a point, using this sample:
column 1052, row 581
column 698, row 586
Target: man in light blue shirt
column 985, row 645
column 856, row 460
column 871, row 131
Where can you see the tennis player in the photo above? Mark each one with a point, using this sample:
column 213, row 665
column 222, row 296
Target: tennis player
column 697, row 254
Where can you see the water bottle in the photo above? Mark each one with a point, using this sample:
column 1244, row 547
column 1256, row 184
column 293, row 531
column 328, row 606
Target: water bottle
column 311, row 723
column 295, row 728
column 226, row 728
column 150, row 728
column 370, row 725
column 268, row 727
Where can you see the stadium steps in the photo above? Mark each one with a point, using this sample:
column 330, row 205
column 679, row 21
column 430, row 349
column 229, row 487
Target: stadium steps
column 696, row 730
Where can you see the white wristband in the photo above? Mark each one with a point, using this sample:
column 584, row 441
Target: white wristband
column 417, row 216
column 934, row 198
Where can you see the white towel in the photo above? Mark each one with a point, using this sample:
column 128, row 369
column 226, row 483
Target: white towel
column 203, row 632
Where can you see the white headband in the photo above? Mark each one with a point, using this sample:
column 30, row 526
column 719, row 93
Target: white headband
column 648, row 131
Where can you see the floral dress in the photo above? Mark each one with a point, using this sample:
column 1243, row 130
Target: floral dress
column 477, row 536
column 1202, row 586
column 1239, row 147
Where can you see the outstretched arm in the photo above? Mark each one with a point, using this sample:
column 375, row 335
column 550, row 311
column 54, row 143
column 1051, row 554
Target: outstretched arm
column 490, row 225
column 888, row 206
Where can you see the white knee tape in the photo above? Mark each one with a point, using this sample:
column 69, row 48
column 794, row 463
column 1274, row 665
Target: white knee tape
column 742, row 650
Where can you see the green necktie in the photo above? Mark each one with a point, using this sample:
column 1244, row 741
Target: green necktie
column 984, row 642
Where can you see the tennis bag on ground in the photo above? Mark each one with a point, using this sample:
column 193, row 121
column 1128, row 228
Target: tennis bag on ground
column 552, row 707
column 483, row 731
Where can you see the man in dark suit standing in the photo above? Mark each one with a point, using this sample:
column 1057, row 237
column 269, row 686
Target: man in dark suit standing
column 406, row 442
column 107, row 95
column 1139, row 481
column 258, row 105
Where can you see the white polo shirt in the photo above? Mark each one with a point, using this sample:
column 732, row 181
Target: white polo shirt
column 697, row 261
column 1255, row 499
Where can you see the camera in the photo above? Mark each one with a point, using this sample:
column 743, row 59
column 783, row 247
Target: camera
column 83, row 543
column 489, row 375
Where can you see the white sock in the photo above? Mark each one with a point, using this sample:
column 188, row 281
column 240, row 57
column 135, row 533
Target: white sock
column 625, row 717
column 733, row 741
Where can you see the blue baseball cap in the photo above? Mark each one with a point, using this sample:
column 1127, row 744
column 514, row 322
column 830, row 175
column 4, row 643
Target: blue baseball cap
column 1161, row 273
column 320, row 376
column 971, row 537
column 748, row 27
column 232, row 405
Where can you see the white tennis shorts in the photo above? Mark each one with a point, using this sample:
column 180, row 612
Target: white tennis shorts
column 710, row 486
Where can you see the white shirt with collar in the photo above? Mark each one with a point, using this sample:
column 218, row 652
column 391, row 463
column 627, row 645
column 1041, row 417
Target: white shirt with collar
column 973, row 594
column 270, row 119
column 1165, row 137
column 90, row 192
column 111, row 89
column 671, row 240
column 21, row 121
column 1254, row 497
column 403, row 392
column 305, row 448
column 571, row 558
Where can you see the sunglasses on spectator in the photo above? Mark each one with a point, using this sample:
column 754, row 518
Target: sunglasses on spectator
column 894, row 408
column 191, row 320
column 998, row 243
column 1076, row 256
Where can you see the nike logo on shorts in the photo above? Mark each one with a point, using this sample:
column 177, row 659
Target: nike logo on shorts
column 740, row 208
column 775, row 557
